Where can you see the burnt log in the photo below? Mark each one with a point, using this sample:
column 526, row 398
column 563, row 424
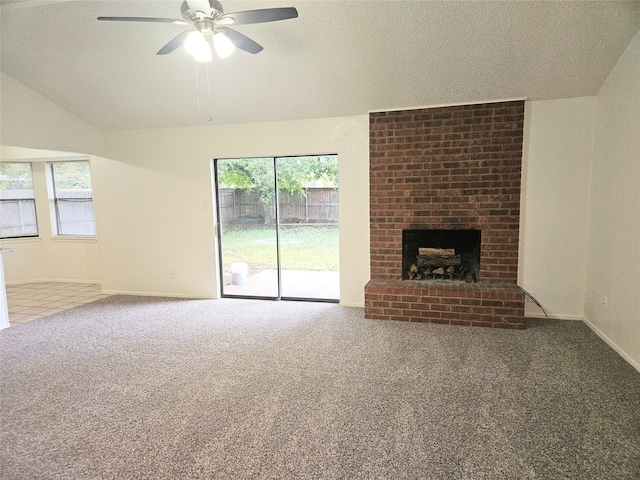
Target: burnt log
column 438, row 260
column 436, row 251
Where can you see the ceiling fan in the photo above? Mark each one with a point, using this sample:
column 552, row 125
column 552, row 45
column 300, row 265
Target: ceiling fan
column 211, row 25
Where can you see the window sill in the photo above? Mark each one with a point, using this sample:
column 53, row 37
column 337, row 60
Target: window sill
column 74, row 239
column 5, row 241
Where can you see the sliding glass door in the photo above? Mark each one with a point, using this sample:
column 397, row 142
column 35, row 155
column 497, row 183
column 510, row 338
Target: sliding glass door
column 248, row 236
column 278, row 227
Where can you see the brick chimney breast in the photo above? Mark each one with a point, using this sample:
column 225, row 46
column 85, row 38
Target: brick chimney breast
column 447, row 168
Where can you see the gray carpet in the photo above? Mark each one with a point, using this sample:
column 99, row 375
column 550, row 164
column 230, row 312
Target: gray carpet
column 134, row 387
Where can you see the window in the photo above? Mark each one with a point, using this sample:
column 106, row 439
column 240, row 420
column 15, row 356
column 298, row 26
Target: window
column 17, row 201
column 73, row 198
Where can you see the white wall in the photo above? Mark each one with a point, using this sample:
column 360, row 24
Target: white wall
column 613, row 253
column 48, row 257
column 147, row 233
column 156, row 212
column 580, row 215
column 32, row 121
column 555, row 204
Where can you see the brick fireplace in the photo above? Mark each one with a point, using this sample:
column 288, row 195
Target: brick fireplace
column 443, row 170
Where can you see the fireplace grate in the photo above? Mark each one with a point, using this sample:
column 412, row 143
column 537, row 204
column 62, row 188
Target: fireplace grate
column 452, row 255
column 444, row 267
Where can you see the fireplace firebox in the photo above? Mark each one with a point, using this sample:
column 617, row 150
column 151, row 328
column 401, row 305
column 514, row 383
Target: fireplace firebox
column 450, row 255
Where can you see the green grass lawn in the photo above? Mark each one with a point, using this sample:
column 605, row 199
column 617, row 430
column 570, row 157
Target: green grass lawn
column 302, row 247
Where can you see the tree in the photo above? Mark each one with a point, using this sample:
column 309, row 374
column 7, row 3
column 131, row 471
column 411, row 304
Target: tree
column 295, row 175
column 15, row 176
column 72, row 175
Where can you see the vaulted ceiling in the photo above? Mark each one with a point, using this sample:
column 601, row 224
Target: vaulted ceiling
column 337, row 58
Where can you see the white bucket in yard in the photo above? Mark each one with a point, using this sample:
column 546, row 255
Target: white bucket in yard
column 239, row 273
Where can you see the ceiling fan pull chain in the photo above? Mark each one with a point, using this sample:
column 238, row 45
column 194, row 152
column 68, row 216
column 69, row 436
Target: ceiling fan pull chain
column 208, row 93
column 197, row 86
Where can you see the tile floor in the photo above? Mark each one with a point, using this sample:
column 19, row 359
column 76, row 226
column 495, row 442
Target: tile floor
column 30, row 301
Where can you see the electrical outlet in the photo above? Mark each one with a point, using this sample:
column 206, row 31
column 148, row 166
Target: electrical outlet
column 172, row 275
column 590, row 294
column 604, row 302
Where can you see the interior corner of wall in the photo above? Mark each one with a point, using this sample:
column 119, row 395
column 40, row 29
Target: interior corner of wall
column 523, row 189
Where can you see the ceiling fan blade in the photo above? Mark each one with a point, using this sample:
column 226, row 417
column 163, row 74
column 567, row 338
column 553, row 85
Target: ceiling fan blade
column 261, row 16
column 144, row 19
column 174, row 43
column 199, row 6
column 241, row 41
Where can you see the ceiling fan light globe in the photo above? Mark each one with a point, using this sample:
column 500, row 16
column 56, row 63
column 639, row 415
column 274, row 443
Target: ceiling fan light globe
column 205, row 55
column 224, row 47
column 194, row 41
column 196, row 44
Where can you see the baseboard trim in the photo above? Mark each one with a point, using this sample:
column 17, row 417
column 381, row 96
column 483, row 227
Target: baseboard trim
column 351, row 305
column 554, row 317
column 156, row 294
column 612, row 344
column 52, row 280
column 575, row 318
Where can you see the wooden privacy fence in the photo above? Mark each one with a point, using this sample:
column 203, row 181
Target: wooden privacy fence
column 320, row 205
column 74, row 212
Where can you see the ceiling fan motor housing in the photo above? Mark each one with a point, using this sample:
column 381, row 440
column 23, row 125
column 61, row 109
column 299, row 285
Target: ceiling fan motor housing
column 215, row 11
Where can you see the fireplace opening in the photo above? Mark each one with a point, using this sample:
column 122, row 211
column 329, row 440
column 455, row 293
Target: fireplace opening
column 450, row 255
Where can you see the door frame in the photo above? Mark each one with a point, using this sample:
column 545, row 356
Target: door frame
column 277, row 235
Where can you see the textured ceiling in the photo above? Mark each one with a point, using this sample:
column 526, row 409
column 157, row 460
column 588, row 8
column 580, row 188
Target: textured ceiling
column 337, row 58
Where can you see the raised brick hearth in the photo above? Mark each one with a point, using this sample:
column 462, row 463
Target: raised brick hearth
column 447, row 168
